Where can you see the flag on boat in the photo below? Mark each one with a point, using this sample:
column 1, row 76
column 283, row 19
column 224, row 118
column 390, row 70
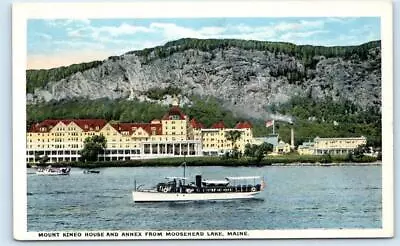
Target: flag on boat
column 269, row 123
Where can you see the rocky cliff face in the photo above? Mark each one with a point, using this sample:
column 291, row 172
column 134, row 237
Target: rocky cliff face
column 244, row 80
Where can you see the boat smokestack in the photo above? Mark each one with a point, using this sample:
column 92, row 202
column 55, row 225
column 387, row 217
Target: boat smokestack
column 198, row 181
column 292, row 138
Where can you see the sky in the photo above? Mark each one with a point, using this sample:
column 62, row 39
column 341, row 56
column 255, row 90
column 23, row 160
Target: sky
column 60, row 42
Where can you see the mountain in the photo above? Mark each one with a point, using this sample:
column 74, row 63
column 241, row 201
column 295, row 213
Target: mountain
column 245, row 76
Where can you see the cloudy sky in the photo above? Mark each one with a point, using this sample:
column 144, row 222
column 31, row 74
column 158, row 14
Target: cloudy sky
column 58, row 42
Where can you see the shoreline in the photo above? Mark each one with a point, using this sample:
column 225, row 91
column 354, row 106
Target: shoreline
column 338, row 164
column 212, row 161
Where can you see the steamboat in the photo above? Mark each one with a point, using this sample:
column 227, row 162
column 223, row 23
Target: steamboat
column 52, row 171
column 177, row 189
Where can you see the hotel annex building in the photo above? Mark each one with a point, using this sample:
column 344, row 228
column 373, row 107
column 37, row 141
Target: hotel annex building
column 173, row 136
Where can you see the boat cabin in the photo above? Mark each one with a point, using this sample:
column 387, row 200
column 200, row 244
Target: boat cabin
column 221, row 183
column 229, row 184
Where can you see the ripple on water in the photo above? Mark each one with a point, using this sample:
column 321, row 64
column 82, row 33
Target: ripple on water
column 303, row 197
column 373, row 188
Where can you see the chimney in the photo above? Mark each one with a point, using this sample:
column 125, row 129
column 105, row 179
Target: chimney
column 292, row 138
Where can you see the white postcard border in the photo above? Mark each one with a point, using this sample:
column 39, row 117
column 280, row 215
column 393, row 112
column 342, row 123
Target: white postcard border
column 166, row 9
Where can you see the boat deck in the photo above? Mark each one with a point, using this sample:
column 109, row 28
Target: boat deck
column 209, row 189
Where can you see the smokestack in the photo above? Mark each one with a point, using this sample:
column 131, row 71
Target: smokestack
column 292, row 138
column 198, row 181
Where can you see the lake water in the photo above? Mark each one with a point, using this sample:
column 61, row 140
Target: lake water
column 296, row 197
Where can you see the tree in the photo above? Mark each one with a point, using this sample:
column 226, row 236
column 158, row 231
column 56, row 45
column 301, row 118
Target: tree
column 250, row 150
column 93, row 146
column 233, row 136
column 263, row 150
column 360, row 151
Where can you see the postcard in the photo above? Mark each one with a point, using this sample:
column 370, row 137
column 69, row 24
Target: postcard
column 202, row 120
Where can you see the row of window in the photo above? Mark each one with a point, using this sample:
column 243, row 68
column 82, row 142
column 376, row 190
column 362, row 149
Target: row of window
column 57, row 146
column 120, row 151
column 57, row 140
column 122, row 146
column 220, row 140
column 173, row 133
column 53, row 152
column 340, row 143
column 217, row 145
column 173, row 118
column 61, row 134
column 343, row 141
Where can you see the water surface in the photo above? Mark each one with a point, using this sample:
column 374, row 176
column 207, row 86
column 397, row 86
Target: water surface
column 296, row 197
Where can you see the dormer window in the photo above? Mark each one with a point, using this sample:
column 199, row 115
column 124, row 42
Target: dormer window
column 86, row 126
column 174, row 117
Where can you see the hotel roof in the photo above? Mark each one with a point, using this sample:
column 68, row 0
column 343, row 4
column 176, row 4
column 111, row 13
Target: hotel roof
column 195, row 124
column 174, row 110
column 132, row 127
column 218, row 125
column 84, row 124
column 243, row 125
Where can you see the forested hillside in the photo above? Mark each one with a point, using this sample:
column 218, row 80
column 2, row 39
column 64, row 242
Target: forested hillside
column 353, row 121
column 327, row 91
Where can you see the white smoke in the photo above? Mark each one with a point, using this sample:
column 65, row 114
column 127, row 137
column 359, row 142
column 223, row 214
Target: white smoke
column 284, row 118
column 259, row 113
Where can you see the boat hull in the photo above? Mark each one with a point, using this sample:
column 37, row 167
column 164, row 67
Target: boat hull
column 148, row 196
column 51, row 174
